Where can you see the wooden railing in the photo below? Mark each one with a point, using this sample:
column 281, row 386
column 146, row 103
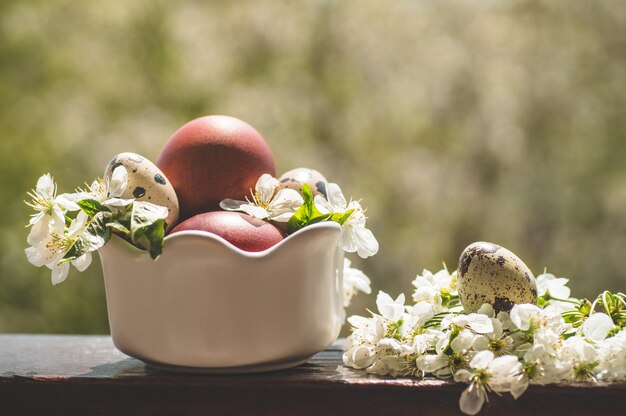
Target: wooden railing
column 86, row 375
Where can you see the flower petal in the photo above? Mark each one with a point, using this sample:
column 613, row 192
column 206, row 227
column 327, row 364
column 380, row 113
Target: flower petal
column 36, row 257
column 45, row 186
column 487, row 309
column 322, row 204
column 431, row 363
column 284, row 204
column 255, row 211
column 423, row 311
column 39, row 230
column 335, row 198
column 505, row 366
column 472, row 399
column 68, row 202
column 118, row 202
column 287, row 199
column 78, row 224
column 463, row 376
column 358, row 321
column 480, row 323
column 265, row 187
column 232, row 204
column 59, row 273
column 362, row 357
column 598, row 326
column 482, row 359
column 519, row 386
column 83, row 262
column 367, row 245
column 522, row 314
column 481, row 343
column 389, row 308
column 349, row 239
column 118, row 183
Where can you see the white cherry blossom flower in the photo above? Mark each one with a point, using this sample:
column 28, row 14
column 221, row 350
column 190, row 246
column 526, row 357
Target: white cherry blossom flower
column 434, row 288
column 543, row 366
column 359, row 357
column 477, row 322
column 612, row 357
column 355, row 237
column 438, row 364
column 268, row 203
column 504, row 352
column 416, row 317
column 44, row 202
column 583, row 356
column 463, row 342
column 442, row 280
column 554, row 290
column 400, row 366
column 426, row 340
column 378, row 367
column 50, row 251
column 390, row 308
column 49, row 208
column 496, row 341
column 548, row 283
column 528, row 317
column 354, row 281
column 109, row 191
column 450, row 354
column 487, row 373
column 505, row 320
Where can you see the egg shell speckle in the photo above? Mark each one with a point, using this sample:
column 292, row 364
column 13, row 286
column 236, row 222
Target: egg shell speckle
column 294, row 179
column 147, row 183
column 489, row 273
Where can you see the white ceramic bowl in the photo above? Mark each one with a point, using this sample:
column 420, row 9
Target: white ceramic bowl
column 207, row 306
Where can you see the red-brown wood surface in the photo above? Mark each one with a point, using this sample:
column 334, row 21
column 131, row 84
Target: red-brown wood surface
column 62, row 375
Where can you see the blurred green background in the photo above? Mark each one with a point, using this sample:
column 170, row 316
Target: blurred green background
column 455, row 121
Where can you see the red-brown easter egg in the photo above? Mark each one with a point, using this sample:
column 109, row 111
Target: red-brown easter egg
column 213, row 158
column 242, row 230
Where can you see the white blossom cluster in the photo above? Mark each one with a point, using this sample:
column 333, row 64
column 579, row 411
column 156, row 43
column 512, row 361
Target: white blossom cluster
column 271, row 203
column 563, row 340
column 65, row 229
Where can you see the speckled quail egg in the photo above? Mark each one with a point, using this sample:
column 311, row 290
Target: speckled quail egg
column 296, row 177
column 488, row 273
column 146, row 182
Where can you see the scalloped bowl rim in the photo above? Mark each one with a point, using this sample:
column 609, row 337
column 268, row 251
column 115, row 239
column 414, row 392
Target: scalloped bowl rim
column 231, row 247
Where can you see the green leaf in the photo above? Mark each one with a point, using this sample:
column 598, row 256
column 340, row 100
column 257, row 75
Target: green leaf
column 151, row 238
column 91, row 207
column 147, row 226
column 308, row 213
column 318, row 218
column 342, row 218
column 119, row 227
column 144, row 214
column 95, row 235
column 297, row 220
column 302, row 216
column 124, row 219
